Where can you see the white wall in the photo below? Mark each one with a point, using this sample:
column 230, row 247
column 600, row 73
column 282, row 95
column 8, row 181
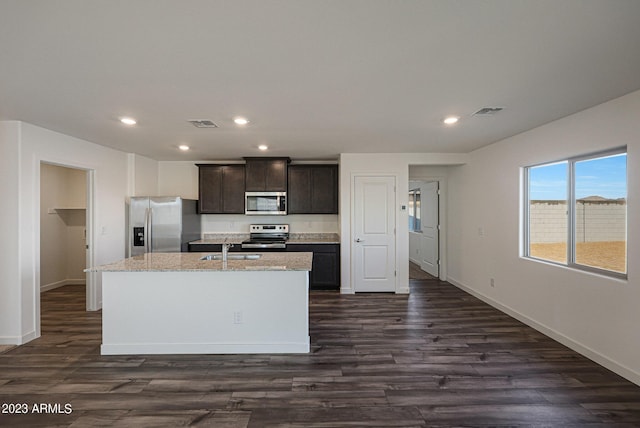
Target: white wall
column 415, row 241
column 178, row 179
column 143, row 176
column 595, row 315
column 395, row 164
column 10, row 290
column 62, row 242
column 24, row 147
column 298, row 223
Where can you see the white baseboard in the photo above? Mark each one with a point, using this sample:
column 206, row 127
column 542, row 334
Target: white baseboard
column 593, row 355
column 18, row 340
column 58, row 284
column 10, row 340
column 204, row 348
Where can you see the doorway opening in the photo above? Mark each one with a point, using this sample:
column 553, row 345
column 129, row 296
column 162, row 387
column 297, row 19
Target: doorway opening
column 65, row 226
column 425, row 229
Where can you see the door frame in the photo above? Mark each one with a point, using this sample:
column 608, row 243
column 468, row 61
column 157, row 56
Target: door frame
column 352, row 259
column 442, row 216
column 92, row 295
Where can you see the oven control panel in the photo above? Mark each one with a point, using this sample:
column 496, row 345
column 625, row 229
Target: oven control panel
column 269, row 228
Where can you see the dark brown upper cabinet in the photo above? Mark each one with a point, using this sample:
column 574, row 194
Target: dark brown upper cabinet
column 313, row 189
column 221, row 189
column 266, row 174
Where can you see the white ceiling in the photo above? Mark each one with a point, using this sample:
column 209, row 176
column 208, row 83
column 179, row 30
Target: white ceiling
column 316, row 78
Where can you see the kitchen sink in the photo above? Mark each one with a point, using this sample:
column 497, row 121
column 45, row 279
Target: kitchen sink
column 232, row 257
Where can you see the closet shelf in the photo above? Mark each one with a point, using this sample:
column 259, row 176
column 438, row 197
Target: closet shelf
column 56, row 209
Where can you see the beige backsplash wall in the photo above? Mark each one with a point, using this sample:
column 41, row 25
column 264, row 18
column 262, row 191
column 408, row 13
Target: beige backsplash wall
column 181, row 179
column 298, row 223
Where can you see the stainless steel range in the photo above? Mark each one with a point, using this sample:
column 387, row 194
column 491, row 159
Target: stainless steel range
column 267, row 237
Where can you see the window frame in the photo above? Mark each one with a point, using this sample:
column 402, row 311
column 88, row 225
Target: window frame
column 414, row 198
column 571, row 213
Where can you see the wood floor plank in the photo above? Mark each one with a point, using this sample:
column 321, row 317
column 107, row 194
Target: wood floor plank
column 435, row 358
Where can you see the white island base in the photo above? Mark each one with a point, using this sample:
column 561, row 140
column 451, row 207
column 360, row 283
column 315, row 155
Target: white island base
column 205, row 312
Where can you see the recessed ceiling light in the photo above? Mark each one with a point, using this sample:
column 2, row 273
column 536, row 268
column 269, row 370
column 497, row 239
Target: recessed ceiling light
column 450, row 120
column 128, row 121
column 184, row 147
column 240, row 121
column 263, row 147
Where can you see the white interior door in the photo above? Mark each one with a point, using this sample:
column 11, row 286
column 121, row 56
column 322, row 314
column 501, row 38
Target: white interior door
column 374, row 240
column 430, row 240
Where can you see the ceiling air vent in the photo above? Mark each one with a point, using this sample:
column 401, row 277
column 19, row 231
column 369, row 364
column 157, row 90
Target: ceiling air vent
column 203, row 123
column 488, row 111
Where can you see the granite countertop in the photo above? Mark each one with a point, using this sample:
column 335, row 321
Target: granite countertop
column 190, row 262
column 314, row 238
column 294, row 238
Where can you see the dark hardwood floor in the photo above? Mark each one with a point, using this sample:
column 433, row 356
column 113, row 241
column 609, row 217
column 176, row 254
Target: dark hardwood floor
column 416, row 273
column 438, row 357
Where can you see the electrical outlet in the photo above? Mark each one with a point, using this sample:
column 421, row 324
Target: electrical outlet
column 237, row 317
column 492, row 282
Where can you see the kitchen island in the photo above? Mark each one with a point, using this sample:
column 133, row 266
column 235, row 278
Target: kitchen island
column 178, row 303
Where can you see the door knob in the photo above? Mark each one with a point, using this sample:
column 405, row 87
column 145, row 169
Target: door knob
column 359, row 240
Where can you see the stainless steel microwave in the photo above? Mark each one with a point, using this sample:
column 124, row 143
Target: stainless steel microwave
column 265, row 203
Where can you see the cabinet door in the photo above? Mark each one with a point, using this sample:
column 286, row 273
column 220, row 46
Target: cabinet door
column 221, row 189
column 205, row 248
column 233, row 189
column 324, row 189
column 325, row 273
column 212, row 248
column 266, row 174
column 313, row 189
column 255, row 176
column 299, row 192
column 325, row 269
column 209, row 189
column 276, row 175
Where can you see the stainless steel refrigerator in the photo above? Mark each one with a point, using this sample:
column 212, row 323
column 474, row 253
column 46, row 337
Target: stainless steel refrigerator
column 161, row 224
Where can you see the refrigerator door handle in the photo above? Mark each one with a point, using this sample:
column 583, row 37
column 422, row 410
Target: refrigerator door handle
column 151, row 230
column 147, row 230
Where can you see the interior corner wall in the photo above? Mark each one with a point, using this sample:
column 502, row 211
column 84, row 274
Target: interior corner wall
column 53, row 231
column 26, row 146
column 178, row 179
column 595, row 315
column 143, row 176
column 10, row 307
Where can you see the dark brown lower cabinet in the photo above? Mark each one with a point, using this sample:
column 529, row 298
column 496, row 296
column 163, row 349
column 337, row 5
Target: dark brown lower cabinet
column 325, row 270
column 211, row 248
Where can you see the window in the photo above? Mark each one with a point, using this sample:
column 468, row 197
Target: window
column 414, row 211
column 576, row 212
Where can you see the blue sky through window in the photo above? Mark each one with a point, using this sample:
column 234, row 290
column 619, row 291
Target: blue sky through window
column 605, row 177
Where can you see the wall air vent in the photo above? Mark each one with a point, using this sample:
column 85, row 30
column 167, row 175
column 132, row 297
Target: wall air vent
column 488, row 111
column 203, row 123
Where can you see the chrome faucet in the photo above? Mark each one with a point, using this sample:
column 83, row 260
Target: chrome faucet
column 225, row 251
